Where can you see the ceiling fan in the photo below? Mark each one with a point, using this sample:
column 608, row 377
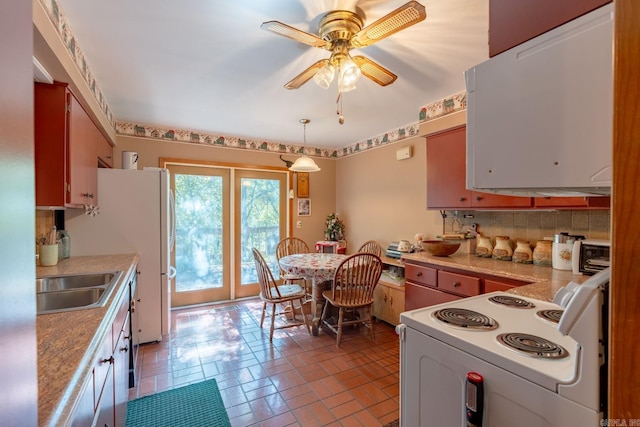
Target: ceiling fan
column 340, row 31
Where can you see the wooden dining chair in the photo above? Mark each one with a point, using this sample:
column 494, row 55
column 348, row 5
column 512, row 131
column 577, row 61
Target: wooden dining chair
column 371, row 247
column 274, row 294
column 290, row 246
column 352, row 290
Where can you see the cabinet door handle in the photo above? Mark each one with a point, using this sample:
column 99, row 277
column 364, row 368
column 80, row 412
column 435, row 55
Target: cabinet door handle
column 390, row 300
column 462, row 199
column 109, row 360
column 385, row 298
column 478, row 198
column 456, row 284
column 419, row 274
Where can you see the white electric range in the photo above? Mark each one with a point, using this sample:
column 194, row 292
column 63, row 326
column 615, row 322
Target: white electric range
column 499, row 360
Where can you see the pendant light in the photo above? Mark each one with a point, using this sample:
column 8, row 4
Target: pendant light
column 304, row 163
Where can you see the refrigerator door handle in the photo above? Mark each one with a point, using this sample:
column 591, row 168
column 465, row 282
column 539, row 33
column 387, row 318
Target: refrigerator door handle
column 172, row 213
column 172, row 272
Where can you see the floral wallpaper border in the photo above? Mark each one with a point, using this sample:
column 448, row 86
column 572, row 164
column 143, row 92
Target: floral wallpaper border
column 59, row 20
column 437, row 109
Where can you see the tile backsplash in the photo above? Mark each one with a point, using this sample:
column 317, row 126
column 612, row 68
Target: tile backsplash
column 532, row 226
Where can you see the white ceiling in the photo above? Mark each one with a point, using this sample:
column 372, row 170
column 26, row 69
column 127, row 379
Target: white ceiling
column 206, row 66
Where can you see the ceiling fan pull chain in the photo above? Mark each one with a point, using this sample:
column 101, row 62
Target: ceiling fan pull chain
column 339, row 104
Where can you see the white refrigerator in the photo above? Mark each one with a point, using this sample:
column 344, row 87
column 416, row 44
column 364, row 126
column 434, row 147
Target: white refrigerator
column 136, row 215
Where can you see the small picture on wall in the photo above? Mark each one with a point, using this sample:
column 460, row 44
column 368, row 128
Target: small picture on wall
column 304, row 207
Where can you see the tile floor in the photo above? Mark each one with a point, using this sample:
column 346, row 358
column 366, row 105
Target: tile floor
column 298, row 380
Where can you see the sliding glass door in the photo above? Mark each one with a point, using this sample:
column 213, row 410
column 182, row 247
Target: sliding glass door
column 221, row 213
column 261, row 211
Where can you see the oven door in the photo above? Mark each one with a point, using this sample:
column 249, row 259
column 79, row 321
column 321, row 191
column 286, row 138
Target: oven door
column 433, row 377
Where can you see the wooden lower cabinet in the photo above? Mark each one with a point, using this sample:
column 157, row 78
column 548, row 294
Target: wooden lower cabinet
column 428, row 285
column 494, row 286
column 84, row 411
column 103, row 399
column 121, row 374
column 105, row 410
column 418, row 296
column 388, row 302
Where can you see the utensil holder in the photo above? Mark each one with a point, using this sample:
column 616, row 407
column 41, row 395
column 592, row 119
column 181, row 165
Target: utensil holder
column 48, row 255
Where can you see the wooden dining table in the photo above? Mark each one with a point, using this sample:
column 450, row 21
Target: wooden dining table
column 317, row 267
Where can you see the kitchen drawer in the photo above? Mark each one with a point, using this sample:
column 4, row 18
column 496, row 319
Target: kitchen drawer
column 458, row 283
column 416, row 296
column 421, row 275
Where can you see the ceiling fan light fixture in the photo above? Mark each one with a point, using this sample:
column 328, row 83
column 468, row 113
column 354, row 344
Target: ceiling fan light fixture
column 304, row 163
column 324, row 76
column 350, row 73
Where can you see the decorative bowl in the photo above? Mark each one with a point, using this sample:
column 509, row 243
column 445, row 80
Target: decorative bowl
column 440, row 247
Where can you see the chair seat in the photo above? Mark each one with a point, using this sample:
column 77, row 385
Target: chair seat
column 287, row 291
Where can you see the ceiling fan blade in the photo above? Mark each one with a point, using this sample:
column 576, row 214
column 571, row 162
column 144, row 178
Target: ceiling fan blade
column 304, row 76
column 374, row 71
column 399, row 19
column 293, row 33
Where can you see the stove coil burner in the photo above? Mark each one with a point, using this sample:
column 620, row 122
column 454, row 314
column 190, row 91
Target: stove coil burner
column 511, row 301
column 463, row 318
column 531, row 345
column 552, row 316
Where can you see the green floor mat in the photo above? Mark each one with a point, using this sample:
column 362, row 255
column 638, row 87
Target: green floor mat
column 194, row 405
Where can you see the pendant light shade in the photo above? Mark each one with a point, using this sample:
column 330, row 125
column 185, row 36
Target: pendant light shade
column 304, row 163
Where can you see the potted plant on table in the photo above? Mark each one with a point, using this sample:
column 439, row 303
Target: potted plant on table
column 334, row 228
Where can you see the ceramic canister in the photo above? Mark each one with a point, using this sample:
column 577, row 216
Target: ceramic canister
column 484, row 248
column 542, row 253
column 502, row 250
column 523, row 253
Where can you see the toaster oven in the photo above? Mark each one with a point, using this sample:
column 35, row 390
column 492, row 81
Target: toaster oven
column 590, row 256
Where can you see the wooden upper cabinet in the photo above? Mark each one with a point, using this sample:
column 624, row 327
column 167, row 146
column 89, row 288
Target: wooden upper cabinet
column 512, row 22
column 105, row 150
column 446, row 176
column 595, row 202
column 65, row 149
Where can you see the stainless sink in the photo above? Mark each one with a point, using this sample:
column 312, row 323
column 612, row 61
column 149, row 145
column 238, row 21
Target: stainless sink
column 74, row 292
column 61, row 283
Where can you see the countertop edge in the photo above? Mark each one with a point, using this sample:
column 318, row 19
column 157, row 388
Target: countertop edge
column 57, row 396
column 543, row 281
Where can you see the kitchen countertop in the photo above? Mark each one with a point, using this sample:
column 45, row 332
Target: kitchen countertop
column 545, row 281
column 68, row 342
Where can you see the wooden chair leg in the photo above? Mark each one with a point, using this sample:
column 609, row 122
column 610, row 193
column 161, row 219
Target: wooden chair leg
column 264, row 310
column 293, row 311
column 340, row 319
column 372, row 332
column 323, row 316
column 304, row 315
column 273, row 320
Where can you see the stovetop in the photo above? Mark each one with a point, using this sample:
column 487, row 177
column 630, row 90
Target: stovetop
column 508, row 314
